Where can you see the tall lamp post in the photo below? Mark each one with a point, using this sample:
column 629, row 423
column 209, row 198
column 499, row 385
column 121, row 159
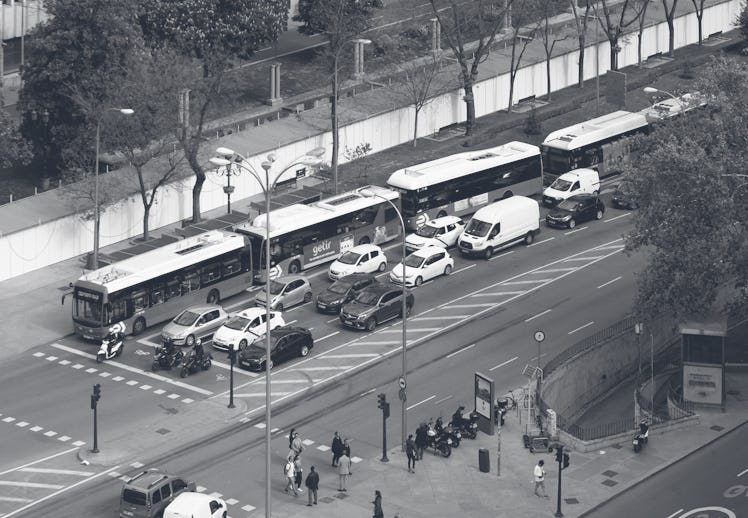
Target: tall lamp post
column 404, row 374
column 229, row 158
column 360, row 42
column 97, row 210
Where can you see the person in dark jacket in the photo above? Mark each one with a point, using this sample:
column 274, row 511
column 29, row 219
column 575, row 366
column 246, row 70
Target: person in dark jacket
column 420, row 440
column 410, row 451
column 312, row 484
column 337, row 449
column 378, row 513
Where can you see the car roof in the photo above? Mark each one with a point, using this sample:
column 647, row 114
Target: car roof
column 580, row 197
column 362, row 249
column 285, row 279
column 148, row 478
column 279, row 332
column 444, row 220
column 428, row 250
column 353, row 277
column 202, row 308
column 380, row 289
column 252, row 312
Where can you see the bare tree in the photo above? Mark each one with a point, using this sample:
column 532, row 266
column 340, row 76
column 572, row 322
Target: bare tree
column 523, row 29
column 460, row 23
column 699, row 6
column 670, row 17
column 615, row 21
column 580, row 22
column 549, row 8
column 640, row 35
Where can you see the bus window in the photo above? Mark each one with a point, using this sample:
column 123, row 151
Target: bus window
column 190, row 283
column 231, row 267
column 157, row 295
column 139, row 300
column 172, row 288
column 211, row 273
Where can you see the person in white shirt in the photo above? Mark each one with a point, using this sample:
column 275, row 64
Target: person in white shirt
column 289, row 472
column 539, row 473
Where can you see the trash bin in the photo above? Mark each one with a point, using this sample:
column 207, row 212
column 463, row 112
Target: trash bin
column 484, row 463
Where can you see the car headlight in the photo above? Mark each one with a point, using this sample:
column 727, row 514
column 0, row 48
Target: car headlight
column 362, row 316
column 566, row 218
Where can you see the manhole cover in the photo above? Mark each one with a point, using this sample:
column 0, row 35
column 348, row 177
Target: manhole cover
column 616, row 446
column 716, row 428
column 609, row 483
column 571, row 500
column 327, row 499
column 342, row 496
column 610, row 473
column 163, row 431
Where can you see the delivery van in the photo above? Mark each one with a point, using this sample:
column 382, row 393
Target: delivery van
column 577, row 181
column 500, row 224
column 196, row 505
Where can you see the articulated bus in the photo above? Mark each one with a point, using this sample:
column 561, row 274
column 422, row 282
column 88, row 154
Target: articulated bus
column 602, row 143
column 460, row 184
column 156, row 285
column 302, row 236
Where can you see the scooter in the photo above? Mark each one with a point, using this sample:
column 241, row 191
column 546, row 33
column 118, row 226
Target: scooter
column 164, row 359
column 195, row 362
column 112, row 344
column 452, row 433
column 641, row 438
column 439, row 442
column 467, row 426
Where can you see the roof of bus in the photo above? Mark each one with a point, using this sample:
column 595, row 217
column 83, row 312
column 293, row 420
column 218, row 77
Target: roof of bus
column 594, row 130
column 461, row 164
column 301, row 215
column 164, row 260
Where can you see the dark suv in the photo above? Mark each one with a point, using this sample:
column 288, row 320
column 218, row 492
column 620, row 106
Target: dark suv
column 147, row 494
column 575, row 210
column 342, row 291
column 285, row 343
column 374, row 305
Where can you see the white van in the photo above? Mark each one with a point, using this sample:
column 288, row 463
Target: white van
column 499, row 224
column 578, row 181
column 196, row 505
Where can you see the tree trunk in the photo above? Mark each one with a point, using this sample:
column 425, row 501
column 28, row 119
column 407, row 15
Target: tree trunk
column 335, row 136
column 671, row 36
column 548, row 76
column 146, row 214
column 470, row 107
column 639, row 48
column 196, row 190
column 614, row 54
column 415, row 127
column 699, row 17
column 580, row 78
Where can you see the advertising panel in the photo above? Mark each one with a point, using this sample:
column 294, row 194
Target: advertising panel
column 702, row 384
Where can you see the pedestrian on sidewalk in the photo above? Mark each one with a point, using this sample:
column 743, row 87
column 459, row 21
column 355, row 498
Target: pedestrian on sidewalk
column 378, row 513
column 288, row 471
column 344, row 470
column 410, row 451
column 298, row 473
column 296, row 445
column 420, row 440
column 337, row 449
column 312, row 484
column 290, row 438
column 347, row 451
column 539, row 474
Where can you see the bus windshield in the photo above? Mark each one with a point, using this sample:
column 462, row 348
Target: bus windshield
column 556, row 161
column 87, row 306
column 427, row 231
column 477, row 228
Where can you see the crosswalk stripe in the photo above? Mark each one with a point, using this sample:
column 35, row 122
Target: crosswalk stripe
column 58, row 471
column 15, row 500
column 36, row 485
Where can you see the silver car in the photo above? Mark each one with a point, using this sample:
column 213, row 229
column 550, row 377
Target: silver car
column 286, row 291
column 194, row 322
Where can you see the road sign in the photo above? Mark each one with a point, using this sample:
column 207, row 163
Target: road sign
column 539, row 336
column 401, row 382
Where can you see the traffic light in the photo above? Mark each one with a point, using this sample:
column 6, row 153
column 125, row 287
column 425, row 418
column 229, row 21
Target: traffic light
column 95, row 396
column 381, row 400
column 566, row 460
column 559, row 454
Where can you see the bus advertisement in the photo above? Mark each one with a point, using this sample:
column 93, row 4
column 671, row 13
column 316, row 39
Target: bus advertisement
column 460, row 184
column 303, row 236
column 156, row 285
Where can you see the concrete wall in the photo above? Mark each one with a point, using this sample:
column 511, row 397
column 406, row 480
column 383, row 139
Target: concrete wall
column 17, row 18
column 68, row 236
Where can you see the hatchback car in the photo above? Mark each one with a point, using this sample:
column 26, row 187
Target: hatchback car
column 374, row 305
column 574, row 210
column 245, row 327
column 286, row 291
column 343, row 290
column 441, row 232
column 194, row 322
column 285, row 343
column 197, row 505
column 359, row 259
column 147, row 494
column 622, row 197
column 423, row 265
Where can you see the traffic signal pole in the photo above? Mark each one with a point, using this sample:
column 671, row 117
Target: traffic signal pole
column 94, row 404
column 385, row 407
column 563, row 462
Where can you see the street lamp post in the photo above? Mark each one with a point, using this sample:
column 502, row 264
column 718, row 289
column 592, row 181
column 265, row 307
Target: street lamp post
column 404, row 310
column 97, row 210
column 228, row 188
column 312, row 158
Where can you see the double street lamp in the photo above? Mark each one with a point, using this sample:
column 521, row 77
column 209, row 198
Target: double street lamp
column 97, row 210
column 229, row 158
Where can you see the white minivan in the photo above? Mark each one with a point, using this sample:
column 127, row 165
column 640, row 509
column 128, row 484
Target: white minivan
column 196, row 505
column 499, row 224
column 578, row 181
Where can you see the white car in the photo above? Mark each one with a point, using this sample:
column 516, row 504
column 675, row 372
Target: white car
column 441, row 232
column 422, row 265
column 359, row 259
column 245, row 328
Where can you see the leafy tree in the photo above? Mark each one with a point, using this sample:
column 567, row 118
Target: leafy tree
column 580, row 22
column 692, row 190
column 462, row 23
column 742, row 19
column 614, row 21
column 670, row 18
column 15, row 150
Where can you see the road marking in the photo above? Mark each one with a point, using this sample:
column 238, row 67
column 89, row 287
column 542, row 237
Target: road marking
column 676, row 513
column 502, row 364
column 580, row 327
column 541, row 242
column 458, row 351
column 442, row 400
column 574, row 231
column 531, row 281
column 498, row 293
column 14, row 500
column 133, row 369
column 412, row 330
column 611, row 247
column 58, row 471
column 327, row 336
column 292, row 381
column 44, row 459
column 588, row 258
column 459, row 270
column 35, row 485
column 464, row 306
column 743, row 472
column 258, row 394
column 228, row 368
column 445, row 317
column 420, row 402
column 325, row 368
column 538, row 315
column 499, row 256
column 353, row 355
column 609, row 282
column 617, row 217
column 383, row 342
column 336, row 319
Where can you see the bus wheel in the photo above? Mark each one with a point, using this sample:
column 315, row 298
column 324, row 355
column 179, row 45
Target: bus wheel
column 507, row 194
column 441, row 214
column 214, row 297
column 364, row 240
column 488, row 253
column 294, row 267
column 529, row 238
column 138, row 326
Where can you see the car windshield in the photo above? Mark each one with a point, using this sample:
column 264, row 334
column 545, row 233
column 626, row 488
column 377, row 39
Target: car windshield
column 349, row 258
column 561, row 185
column 367, row 298
column 478, row 228
column 186, row 318
column 427, row 231
column 414, row 261
column 254, row 351
column 276, row 287
column 238, row 323
column 341, row 288
column 567, row 205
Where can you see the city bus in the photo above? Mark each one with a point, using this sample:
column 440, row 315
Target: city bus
column 602, row 143
column 460, row 184
column 156, row 285
column 303, row 236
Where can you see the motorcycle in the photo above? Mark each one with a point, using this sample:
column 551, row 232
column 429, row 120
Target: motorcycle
column 641, row 437
column 453, row 434
column 112, row 344
column 164, row 358
column 467, row 426
column 439, row 442
column 195, row 362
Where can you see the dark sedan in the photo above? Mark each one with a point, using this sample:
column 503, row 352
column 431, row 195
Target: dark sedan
column 285, row 343
column 374, row 305
column 343, row 291
column 623, row 199
column 576, row 209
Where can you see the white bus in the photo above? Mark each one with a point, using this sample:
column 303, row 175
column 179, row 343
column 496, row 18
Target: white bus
column 302, row 236
column 460, row 184
column 602, row 143
column 156, row 285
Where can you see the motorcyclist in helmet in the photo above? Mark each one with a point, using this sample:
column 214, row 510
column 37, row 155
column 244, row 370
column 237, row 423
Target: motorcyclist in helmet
column 457, row 418
column 115, row 334
column 198, row 350
column 643, row 428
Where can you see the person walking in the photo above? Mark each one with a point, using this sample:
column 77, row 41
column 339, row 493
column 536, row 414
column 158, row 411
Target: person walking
column 312, row 484
column 344, row 470
column 288, row 471
column 420, row 441
column 290, row 438
column 347, row 451
column 410, row 451
column 296, row 445
column 298, row 473
column 539, row 475
column 337, row 449
column 378, row 513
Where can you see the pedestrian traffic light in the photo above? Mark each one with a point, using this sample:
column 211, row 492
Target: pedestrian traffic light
column 559, row 454
column 95, row 396
column 386, row 410
column 381, row 400
column 566, row 460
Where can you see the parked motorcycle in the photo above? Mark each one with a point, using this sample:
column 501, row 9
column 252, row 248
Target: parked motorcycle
column 468, row 427
column 166, row 357
column 439, row 442
column 453, row 434
column 112, row 344
column 641, row 438
column 196, row 360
